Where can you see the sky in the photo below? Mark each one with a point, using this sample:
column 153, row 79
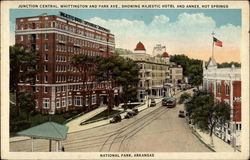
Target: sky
column 182, row 31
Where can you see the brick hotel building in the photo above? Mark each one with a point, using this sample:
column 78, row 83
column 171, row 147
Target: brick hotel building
column 225, row 85
column 56, row 39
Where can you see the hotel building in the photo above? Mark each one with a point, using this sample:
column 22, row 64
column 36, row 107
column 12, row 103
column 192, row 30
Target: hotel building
column 154, row 73
column 56, row 39
column 225, row 85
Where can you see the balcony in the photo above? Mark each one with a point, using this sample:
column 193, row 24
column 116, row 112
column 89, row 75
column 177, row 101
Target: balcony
column 102, row 49
column 77, row 45
column 148, row 70
column 62, row 42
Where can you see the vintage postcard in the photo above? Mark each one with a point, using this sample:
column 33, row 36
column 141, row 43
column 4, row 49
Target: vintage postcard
column 125, row 80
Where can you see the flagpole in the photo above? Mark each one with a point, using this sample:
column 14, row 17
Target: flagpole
column 213, row 48
column 213, row 45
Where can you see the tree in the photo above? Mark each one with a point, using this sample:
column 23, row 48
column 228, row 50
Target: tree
column 195, row 75
column 121, row 72
column 184, row 97
column 229, row 64
column 205, row 113
column 21, row 59
column 27, row 103
column 192, row 68
column 84, row 65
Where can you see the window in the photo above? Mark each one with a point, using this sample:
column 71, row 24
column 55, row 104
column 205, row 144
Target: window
column 58, row 102
column 63, row 102
column 218, row 88
column 37, row 78
column 37, row 104
column 45, row 79
column 46, row 103
column 45, row 68
column 46, row 57
column 227, row 89
column 46, row 89
column 78, row 101
column 37, row 36
column 21, row 38
column 46, row 47
column 46, row 36
column 58, row 89
column 69, row 100
column 46, row 24
column 37, row 89
column 94, row 100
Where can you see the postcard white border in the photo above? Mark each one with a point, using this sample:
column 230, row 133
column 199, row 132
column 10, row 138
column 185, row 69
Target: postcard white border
column 6, row 5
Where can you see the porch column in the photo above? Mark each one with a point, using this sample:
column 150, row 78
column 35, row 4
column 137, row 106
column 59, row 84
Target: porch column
column 32, row 144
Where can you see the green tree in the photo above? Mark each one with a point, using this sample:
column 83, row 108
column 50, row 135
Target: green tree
column 192, row 68
column 21, row 59
column 229, row 64
column 195, row 75
column 85, row 65
column 206, row 114
column 27, row 103
column 184, row 97
column 121, row 72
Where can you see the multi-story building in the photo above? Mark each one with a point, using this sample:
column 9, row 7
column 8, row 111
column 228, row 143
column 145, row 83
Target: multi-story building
column 153, row 73
column 225, row 85
column 56, row 39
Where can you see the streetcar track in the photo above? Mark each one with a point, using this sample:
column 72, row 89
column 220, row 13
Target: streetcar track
column 121, row 129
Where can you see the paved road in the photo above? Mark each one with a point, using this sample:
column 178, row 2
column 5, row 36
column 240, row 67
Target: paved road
column 156, row 129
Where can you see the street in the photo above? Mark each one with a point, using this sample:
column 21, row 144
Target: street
column 156, row 129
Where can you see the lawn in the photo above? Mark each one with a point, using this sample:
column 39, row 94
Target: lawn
column 103, row 114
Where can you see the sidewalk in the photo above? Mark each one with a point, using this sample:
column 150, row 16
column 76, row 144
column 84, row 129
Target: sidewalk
column 219, row 144
column 75, row 126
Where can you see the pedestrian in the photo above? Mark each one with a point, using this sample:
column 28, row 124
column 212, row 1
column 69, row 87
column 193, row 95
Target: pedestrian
column 63, row 149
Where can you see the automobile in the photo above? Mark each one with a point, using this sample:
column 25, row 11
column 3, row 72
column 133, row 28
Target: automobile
column 132, row 113
column 129, row 115
column 135, row 110
column 181, row 114
column 153, row 103
column 116, row 118
column 169, row 102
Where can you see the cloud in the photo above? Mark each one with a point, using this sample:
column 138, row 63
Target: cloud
column 189, row 34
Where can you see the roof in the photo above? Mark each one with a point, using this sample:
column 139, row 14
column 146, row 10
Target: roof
column 212, row 62
column 168, row 99
column 140, row 47
column 165, row 55
column 47, row 130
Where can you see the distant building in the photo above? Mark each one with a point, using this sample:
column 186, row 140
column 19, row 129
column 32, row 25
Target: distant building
column 154, row 73
column 225, row 85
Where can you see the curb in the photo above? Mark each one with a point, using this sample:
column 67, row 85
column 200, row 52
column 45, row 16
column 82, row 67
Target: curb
column 199, row 138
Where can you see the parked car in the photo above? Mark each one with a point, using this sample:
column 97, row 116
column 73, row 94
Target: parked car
column 135, row 110
column 129, row 115
column 132, row 113
column 116, row 118
column 181, row 114
column 153, row 103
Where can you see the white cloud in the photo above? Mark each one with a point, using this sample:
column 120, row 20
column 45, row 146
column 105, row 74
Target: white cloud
column 190, row 32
